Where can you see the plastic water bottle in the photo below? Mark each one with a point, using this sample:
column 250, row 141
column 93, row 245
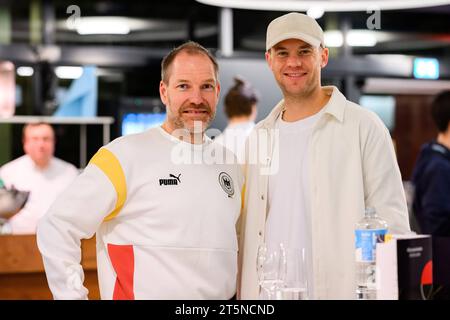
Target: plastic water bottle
column 370, row 230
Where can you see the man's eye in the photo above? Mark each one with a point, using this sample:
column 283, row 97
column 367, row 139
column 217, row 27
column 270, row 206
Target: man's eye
column 182, row 86
column 305, row 52
column 208, row 86
column 281, row 53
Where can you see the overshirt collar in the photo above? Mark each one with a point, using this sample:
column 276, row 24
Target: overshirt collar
column 335, row 107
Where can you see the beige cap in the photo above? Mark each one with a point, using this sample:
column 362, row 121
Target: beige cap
column 294, row 26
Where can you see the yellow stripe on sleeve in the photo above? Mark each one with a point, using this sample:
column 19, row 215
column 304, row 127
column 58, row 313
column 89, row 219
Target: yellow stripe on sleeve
column 106, row 161
column 243, row 197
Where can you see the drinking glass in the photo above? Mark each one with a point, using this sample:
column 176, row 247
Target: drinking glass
column 271, row 267
column 295, row 283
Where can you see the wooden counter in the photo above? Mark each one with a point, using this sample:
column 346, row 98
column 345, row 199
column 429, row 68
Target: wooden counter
column 22, row 274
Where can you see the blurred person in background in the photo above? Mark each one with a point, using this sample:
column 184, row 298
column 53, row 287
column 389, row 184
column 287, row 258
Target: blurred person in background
column 38, row 172
column 240, row 108
column 431, row 175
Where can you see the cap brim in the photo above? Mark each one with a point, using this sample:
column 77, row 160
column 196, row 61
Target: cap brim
column 301, row 36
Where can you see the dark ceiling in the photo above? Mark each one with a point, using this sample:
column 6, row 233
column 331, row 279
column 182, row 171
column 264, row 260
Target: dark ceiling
column 419, row 31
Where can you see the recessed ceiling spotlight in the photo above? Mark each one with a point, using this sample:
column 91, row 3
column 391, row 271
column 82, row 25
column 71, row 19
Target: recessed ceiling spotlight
column 315, row 12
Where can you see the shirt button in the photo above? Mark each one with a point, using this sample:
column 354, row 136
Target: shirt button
column 262, row 197
column 260, row 233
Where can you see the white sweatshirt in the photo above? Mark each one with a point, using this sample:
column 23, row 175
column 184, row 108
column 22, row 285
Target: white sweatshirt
column 165, row 229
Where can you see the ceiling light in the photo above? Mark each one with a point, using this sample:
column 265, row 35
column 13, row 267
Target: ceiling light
column 426, row 68
column 335, row 5
column 65, row 72
column 361, row 38
column 103, row 25
column 315, row 12
column 355, row 38
column 333, row 38
column 25, row 71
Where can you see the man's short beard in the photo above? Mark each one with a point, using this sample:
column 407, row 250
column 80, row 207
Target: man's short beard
column 179, row 123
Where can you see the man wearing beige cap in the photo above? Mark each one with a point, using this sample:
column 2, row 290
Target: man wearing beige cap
column 330, row 160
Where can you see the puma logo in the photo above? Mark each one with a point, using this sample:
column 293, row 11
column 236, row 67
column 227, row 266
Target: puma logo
column 175, row 180
column 175, row 177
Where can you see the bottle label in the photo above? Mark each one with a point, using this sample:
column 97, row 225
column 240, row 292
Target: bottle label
column 365, row 243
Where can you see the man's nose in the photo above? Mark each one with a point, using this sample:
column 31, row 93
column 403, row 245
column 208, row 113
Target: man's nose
column 294, row 61
column 196, row 97
column 42, row 142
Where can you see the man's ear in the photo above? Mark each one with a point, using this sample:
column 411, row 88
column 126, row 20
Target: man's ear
column 269, row 58
column 324, row 57
column 163, row 92
column 218, row 89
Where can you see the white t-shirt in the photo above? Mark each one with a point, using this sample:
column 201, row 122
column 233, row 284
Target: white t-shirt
column 44, row 187
column 288, row 220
